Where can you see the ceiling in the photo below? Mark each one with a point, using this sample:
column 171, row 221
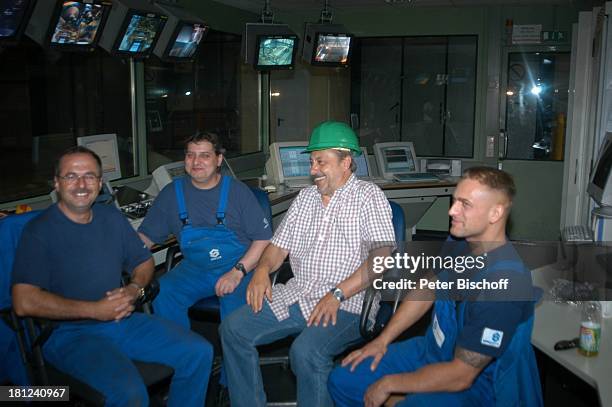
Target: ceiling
column 256, row 6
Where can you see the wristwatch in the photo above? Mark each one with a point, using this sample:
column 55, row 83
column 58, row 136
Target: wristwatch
column 141, row 290
column 338, row 294
column 240, row 266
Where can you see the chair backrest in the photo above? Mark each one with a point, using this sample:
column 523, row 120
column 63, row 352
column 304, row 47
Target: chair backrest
column 264, row 202
column 399, row 222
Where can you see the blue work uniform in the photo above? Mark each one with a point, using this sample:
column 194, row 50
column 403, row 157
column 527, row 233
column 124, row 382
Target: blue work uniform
column 208, row 253
column 510, row 379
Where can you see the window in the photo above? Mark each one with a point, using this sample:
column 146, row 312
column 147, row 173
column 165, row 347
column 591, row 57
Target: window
column 419, row 89
column 215, row 93
column 536, row 105
column 47, row 100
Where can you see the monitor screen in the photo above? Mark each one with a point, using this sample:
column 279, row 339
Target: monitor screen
column 77, row 23
column 293, row 162
column 12, row 13
column 187, row 40
column 398, row 160
column 275, row 51
column 361, row 161
column 141, row 32
column 332, row 49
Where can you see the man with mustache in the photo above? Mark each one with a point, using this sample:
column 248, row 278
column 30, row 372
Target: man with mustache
column 68, row 268
column 327, row 233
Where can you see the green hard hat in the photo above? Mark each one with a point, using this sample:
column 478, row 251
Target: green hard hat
column 333, row 135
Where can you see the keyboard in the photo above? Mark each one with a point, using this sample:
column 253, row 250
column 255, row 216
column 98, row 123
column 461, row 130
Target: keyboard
column 416, row 177
column 375, row 180
column 577, row 233
column 298, row 185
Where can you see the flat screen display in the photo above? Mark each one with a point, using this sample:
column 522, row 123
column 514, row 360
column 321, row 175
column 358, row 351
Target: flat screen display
column 332, row 49
column 275, row 52
column 77, row 23
column 140, row 33
column 187, row 40
column 294, row 163
column 362, row 166
column 399, row 160
column 11, row 15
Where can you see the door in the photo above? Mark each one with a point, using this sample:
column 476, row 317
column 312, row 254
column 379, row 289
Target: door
column 534, row 112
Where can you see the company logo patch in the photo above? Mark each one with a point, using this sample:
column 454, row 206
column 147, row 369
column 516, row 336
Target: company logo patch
column 214, row 254
column 266, row 223
column 491, row 337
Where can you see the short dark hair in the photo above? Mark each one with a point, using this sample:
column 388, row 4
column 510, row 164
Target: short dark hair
column 78, row 150
column 342, row 154
column 493, row 178
column 212, row 138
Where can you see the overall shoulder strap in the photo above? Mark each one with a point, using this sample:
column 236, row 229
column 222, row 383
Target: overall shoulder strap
column 225, row 184
column 180, row 200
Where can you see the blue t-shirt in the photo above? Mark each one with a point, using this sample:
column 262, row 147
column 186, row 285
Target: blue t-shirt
column 484, row 318
column 243, row 214
column 74, row 260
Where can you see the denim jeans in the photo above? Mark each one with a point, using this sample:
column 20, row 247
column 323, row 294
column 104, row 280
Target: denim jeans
column 311, row 354
column 100, row 354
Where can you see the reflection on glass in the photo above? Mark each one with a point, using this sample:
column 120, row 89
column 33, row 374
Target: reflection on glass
column 536, row 105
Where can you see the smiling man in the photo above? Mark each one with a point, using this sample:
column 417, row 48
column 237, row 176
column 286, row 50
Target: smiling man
column 221, row 229
column 474, row 353
column 68, row 268
column 327, row 234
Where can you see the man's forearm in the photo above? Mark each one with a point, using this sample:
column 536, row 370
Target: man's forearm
column 29, row 300
column 143, row 273
column 253, row 254
column 409, row 312
column 271, row 259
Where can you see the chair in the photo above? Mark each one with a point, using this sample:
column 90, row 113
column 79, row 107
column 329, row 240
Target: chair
column 29, row 334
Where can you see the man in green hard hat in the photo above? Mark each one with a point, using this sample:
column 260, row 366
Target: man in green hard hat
column 327, row 233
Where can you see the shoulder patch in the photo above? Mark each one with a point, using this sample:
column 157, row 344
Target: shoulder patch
column 491, row 337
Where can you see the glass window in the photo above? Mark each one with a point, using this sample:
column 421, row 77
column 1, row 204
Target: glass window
column 216, row 93
column 47, row 100
column 419, row 89
column 536, row 105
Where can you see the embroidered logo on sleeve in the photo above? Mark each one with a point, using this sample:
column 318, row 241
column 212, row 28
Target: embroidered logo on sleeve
column 492, row 337
column 437, row 331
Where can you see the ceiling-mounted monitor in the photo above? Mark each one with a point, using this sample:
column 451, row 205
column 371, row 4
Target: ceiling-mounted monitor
column 275, row 52
column 133, row 28
column 269, row 46
column 68, row 25
column 181, row 36
column 14, row 15
column 327, row 45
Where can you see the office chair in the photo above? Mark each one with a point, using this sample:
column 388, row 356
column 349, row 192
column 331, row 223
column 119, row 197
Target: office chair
column 29, row 334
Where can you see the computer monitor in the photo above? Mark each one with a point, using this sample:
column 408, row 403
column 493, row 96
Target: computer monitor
column 395, row 158
column 133, row 28
column 105, row 145
column 600, row 185
column 182, row 34
column 331, row 49
column 275, row 52
column 14, row 16
column 287, row 163
column 363, row 167
column 165, row 174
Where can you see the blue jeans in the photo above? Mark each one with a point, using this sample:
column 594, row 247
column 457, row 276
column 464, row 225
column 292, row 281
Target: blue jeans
column 186, row 284
column 311, row 354
column 100, row 354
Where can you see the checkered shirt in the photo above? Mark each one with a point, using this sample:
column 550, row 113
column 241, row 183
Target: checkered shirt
column 327, row 244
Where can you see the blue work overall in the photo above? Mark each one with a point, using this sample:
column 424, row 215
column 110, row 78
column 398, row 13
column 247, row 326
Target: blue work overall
column 511, row 380
column 208, row 253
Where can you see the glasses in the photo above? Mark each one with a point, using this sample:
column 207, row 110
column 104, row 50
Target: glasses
column 90, row 179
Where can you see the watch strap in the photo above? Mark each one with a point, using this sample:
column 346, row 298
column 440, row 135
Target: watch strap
column 240, row 266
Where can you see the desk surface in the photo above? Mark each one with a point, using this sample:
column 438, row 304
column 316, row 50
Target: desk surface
column 554, row 322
